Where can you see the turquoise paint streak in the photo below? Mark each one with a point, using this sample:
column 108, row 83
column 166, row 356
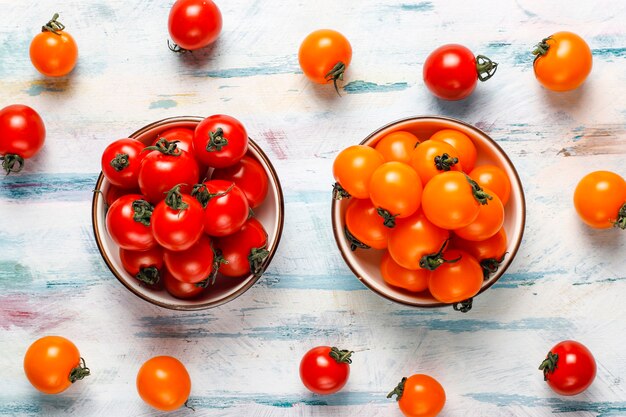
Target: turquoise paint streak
column 163, row 104
column 424, row 6
column 362, row 87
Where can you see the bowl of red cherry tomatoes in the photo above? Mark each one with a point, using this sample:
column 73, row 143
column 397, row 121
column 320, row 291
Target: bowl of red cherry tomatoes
column 427, row 211
column 188, row 211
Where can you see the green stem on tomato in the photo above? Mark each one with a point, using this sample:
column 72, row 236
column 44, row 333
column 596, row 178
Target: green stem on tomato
column 202, row 194
column 216, row 140
column 12, row 163
column 149, row 275
column 174, row 199
column 142, row 212
column 120, row 161
column 339, row 193
column 256, row 259
column 389, row 220
column 463, row 306
column 491, row 265
column 445, row 162
column 79, row 372
column 549, row 364
column 621, row 218
column 398, row 390
column 53, row 25
column 336, row 73
column 485, row 67
column 435, row 260
column 165, row 147
column 354, row 242
column 479, row 194
column 341, row 356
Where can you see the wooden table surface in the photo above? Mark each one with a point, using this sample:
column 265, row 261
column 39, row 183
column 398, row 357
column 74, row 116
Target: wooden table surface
column 567, row 281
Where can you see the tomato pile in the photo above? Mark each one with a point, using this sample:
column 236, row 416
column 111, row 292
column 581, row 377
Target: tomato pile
column 181, row 209
column 438, row 217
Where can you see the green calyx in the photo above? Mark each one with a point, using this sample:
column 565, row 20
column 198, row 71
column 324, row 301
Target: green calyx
column 12, row 163
column 336, row 73
column 341, row 356
column 120, row 161
column 53, row 25
column 339, row 193
column 621, row 218
column 435, row 260
column 80, row 372
column 479, row 194
column 256, row 259
column 216, row 140
column 542, row 48
column 142, row 212
column 218, row 260
column 354, row 242
column 165, row 147
column 398, row 390
column 463, row 306
column 485, row 67
column 149, row 275
column 174, row 199
column 202, row 194
column 549, row 364
column 445, row 162
column 389, row 220
column 177, row 48
column 491, row 265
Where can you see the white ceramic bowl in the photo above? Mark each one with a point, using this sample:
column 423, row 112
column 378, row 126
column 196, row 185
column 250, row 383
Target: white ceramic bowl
column 366, row 263
column 270, row 214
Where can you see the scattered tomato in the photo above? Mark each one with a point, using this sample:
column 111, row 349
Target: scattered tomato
column 397, row 146
column 225, row 206
column 396, row 191
column 431, row 158
column 325, row 370
column 250, row 176
column 398, row 276
column 163, row 383
column 600, row 200
column 462, row 143
column 458, row 278
column 419, row 396
column 177, row 221
column 562, row 61
column 121, row 161
column 569, row 368
column 451, row 71
column 52, row 364
column 194, row 24
column 364, row 226
column 128, row 223
column 220, row 141
column 353, row 168
column 494, row 178
column 22, row 135
column 324, row 56
column 53, row 52
column 245, row 252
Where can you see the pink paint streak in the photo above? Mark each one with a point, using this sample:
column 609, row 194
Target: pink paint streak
column 276, row 140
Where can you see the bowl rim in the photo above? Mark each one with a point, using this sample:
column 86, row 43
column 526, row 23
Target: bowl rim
column 251, row 280
column 338, row 233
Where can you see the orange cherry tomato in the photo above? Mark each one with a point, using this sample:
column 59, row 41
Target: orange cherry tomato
column 419, row 396
column 494, row 178
column 397, row 276
column 53, row 52
column 52, row 364
column 397, row 146
column 163, row 383
column 452, row 200
column 364, row 224
column 489, row 221
column 396, row 189
column 463, row 145
column 324, row 56
column 431, row 158
column 600, row 200
column 456, row 280
column 563, row 61
column 493, row 248
column 414, row 238
column 353, row 168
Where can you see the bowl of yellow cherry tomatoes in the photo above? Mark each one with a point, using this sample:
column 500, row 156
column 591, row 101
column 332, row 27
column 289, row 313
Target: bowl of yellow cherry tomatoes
column 427, row 211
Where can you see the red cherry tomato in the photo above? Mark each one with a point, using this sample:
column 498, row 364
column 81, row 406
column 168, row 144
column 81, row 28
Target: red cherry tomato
column 250, row 176
column 364, row 225
column 121, row 161
column 225, row 207
column 325, row 370
column 245, row 251
column 128, row 223
column 569, row 368
column 53, row 52
column 180, row 289
column 22, row 134
column 397, row 276
column 220, row 141
column 458, row 278
column 451, row 71
column 164, row 168
column 192, row 265
column 194, row 24
column 177, row 221
column 145, row 265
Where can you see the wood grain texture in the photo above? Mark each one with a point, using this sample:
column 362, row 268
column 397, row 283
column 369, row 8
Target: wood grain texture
column 567, row 281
